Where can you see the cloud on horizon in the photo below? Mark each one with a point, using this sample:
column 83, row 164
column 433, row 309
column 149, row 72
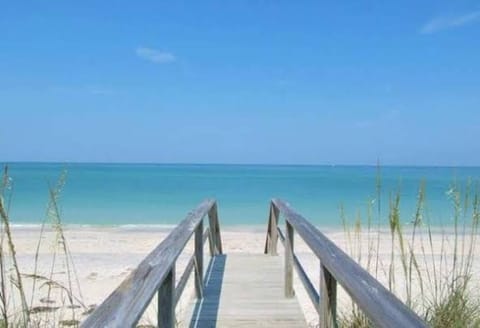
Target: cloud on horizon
column 444, row 23
column 155, row 56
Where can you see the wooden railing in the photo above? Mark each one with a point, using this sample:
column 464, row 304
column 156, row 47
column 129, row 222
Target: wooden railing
column 381, row 307
column 156, row 274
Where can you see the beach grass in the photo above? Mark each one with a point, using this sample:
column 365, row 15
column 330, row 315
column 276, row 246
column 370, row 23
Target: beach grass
column 434, row 280
column 60, row 297
column 16, row 284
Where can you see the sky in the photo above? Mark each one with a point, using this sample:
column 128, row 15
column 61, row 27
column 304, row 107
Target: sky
column 271, row 82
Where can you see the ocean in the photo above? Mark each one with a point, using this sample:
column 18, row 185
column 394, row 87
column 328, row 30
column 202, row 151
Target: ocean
column 131, row 195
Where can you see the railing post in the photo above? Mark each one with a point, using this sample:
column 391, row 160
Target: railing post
column 166, row 301
column 289, row 292
column 211, row 245
column 215, row 229
column 199, row 260
column 272, row 236
column 328, row 299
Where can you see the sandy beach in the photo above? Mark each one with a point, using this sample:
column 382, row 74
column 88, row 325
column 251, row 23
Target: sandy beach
column 103, row 257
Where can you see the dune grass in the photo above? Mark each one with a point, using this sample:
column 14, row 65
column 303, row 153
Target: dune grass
column 433, row 280
column 15, row 280
column 58, row 297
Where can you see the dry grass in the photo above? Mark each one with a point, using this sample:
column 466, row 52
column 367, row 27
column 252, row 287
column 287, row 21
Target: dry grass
column 435, row 283
column 61, row 299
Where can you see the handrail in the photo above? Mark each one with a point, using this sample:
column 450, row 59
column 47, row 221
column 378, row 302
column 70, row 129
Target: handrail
column 156, row 274
column 381, row 307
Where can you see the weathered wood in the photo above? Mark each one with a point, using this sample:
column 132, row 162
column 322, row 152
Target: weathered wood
column 272, row 236
column 188, row 271
column 382, row 307
column 328, row 299
column 244, row 290
column 166, row 301
column 219, row 236
column 199, row 260
column 213, row 235
column 126, row 304
column 307, row 283
column 289, row 292
column 182, row 282
column 215, row 230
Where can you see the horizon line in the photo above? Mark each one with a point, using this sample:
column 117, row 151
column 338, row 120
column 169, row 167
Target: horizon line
column 2, row 162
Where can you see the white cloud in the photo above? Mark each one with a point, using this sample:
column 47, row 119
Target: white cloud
column 155, row 56
column 443, row 23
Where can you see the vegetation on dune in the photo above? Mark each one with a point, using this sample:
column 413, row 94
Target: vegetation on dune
column 433, row 280
column 58, row 297
column 15, row 279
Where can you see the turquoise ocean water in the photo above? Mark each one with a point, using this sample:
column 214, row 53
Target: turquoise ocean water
column 148, row 194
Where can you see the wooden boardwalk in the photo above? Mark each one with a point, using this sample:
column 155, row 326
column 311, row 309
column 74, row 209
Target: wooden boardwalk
column 245, row 290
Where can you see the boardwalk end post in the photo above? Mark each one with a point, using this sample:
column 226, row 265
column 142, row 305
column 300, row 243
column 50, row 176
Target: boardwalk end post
column 272, row 232
column 217, row 231
column 199, row 260
column 328, row 299
column 166, row 301
column 215, row 236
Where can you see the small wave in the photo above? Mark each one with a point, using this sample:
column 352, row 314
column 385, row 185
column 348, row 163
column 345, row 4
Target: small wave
column 25, row 226
column 145, row 227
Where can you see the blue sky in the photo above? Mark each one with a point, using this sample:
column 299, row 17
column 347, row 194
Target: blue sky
column 294, row 82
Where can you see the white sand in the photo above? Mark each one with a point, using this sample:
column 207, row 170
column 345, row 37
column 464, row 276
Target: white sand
column 103, row 257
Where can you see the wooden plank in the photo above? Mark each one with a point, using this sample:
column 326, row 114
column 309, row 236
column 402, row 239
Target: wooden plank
column 215, row 229
column 199, row 260
column 272, row 236
column 126, row 304
column 382, row 307
column 166, row 301
column 289, row 292
column 328, row 299
column 244, row 290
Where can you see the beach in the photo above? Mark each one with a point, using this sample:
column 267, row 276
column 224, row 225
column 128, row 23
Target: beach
column 103, row 219
column 103, row 257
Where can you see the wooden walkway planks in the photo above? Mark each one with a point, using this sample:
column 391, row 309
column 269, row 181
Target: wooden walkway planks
column 245, row 290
